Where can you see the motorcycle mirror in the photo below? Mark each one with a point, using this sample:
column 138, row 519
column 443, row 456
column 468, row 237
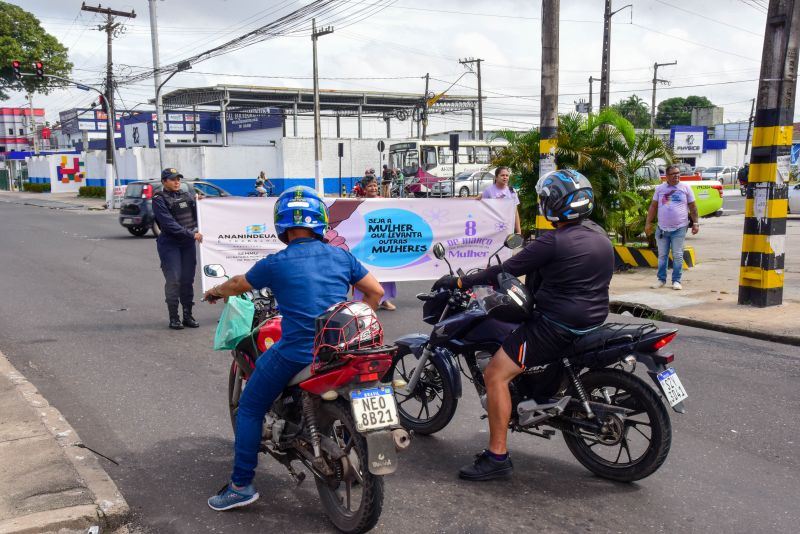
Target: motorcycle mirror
column 438, row 251
column 214, row 270
column 513, row 241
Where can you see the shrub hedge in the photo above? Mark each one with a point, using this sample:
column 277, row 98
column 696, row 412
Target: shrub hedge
column 36, row 188
column 93, row 191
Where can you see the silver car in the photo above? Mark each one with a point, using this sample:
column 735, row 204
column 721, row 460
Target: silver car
column 726, row 175
column 468, row 184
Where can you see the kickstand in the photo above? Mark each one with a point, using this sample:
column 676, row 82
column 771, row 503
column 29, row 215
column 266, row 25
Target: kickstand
column 298, row 477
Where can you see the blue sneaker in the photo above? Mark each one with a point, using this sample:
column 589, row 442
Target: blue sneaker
column 228, row 497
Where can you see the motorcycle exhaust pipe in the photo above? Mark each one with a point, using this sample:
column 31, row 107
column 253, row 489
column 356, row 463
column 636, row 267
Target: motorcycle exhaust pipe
column 402, row 440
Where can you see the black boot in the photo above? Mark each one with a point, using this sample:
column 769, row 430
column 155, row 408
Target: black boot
column 188, row 320
column 174, row 318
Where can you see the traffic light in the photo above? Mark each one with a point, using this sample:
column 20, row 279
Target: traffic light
column 101, row 100
column 15, row 66
column 38, row 66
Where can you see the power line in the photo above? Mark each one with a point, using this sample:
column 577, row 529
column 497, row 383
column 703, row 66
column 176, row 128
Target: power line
column 696, row 14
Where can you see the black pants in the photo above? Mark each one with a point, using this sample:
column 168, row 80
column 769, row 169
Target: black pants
column 178, row 263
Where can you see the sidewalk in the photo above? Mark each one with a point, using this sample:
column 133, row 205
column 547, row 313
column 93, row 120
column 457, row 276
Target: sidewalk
column 48, row 483
column 710, row 289
column 54, row 200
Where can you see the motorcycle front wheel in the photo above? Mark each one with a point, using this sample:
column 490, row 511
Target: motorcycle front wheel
column 352, row 497
column 628, row 448
column 432, row 404
column 236, row 384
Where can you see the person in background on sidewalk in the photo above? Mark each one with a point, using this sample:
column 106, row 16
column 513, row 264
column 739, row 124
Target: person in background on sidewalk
column 389, row 288
column 386, row 181
column 674, row 202
column 175, row 211
column 263, row 186
column 501, row 189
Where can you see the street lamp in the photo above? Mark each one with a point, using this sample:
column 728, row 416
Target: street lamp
column 180, row 67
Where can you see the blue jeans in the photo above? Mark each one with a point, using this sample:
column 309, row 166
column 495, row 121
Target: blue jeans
column 271, row 375
column 670, row 240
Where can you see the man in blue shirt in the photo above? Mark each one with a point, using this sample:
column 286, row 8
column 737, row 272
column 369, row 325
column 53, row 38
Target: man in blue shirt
column 307, row 277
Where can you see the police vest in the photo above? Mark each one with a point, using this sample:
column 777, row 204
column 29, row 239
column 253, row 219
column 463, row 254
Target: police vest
column 182, row 208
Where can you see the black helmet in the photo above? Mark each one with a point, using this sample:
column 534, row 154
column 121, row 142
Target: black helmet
column 346, row 326
column 565, row 195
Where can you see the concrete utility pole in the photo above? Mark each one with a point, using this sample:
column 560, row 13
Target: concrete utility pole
column 548, row 127
column 470, row 61
column 605, row 74
column 109, row 27
column 424, row 117
column 157, row 81
column 749, row 125
column 591, row 80
column 32, row 126
column 656, row 81
column 318, row 179
column 763, row 243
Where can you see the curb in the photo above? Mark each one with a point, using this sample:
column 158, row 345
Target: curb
column 706, row 325
column 648, row 257
column 110, row 509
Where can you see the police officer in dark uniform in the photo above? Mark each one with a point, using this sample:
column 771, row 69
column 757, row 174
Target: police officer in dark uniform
column 175, row 211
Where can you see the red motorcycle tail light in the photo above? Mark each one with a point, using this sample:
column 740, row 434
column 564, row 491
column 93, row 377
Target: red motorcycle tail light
column 664, row 341
column 372, row 367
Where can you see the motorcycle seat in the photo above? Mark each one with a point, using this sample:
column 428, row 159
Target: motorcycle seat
column 304, row 374
column 607, row 336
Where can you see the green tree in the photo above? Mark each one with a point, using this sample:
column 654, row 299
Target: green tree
column 635, row 110
column 22, row 38
column 678, row 110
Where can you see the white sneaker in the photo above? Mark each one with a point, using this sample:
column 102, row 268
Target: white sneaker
column 677, row 286
column 659, row 285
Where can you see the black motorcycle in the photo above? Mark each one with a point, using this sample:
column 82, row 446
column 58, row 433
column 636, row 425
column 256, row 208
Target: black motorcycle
column 613, row 422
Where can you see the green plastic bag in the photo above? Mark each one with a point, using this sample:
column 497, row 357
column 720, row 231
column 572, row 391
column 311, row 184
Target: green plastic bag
column 235, row 323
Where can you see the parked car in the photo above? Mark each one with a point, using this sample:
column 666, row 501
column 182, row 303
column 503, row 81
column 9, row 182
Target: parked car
column 468, row 184
column 685, row 168
column 794, row 199
column 136, row 210
column 721, row 173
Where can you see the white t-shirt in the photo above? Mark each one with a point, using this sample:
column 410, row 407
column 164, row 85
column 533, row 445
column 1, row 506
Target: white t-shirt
column 495, row 192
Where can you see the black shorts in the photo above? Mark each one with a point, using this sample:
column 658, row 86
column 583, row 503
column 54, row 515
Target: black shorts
column 537, row 342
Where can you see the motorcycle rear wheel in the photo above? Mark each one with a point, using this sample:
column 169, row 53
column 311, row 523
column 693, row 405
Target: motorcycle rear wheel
column 433, row 395
column 647, row 429
column 353, row 498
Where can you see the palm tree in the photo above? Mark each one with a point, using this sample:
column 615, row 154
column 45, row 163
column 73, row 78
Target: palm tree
column 605, row 148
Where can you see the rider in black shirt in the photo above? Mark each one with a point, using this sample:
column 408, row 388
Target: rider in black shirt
column 568, row 271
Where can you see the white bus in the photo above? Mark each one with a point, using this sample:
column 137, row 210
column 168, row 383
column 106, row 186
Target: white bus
column 436, row 158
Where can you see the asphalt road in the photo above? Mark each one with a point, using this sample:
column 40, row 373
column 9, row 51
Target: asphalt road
column 83, row 318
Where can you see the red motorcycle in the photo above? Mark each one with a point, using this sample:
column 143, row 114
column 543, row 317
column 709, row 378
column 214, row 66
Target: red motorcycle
column 335, row 417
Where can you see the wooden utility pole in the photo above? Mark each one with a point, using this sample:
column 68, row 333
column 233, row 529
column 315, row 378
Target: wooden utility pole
column 110, row 27
column 656, row 81
column 763, row 242
column 548, row 127
column 470, row 61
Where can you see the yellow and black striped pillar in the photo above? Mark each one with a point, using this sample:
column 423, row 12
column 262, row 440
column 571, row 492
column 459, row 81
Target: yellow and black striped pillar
column 761, row 272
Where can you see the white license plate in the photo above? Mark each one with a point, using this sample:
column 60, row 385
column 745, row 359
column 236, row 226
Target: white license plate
column 127, row 220
column 671, row 386
column 374, row 408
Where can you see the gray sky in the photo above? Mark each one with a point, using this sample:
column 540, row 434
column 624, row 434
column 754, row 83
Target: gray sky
column 717, row 44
